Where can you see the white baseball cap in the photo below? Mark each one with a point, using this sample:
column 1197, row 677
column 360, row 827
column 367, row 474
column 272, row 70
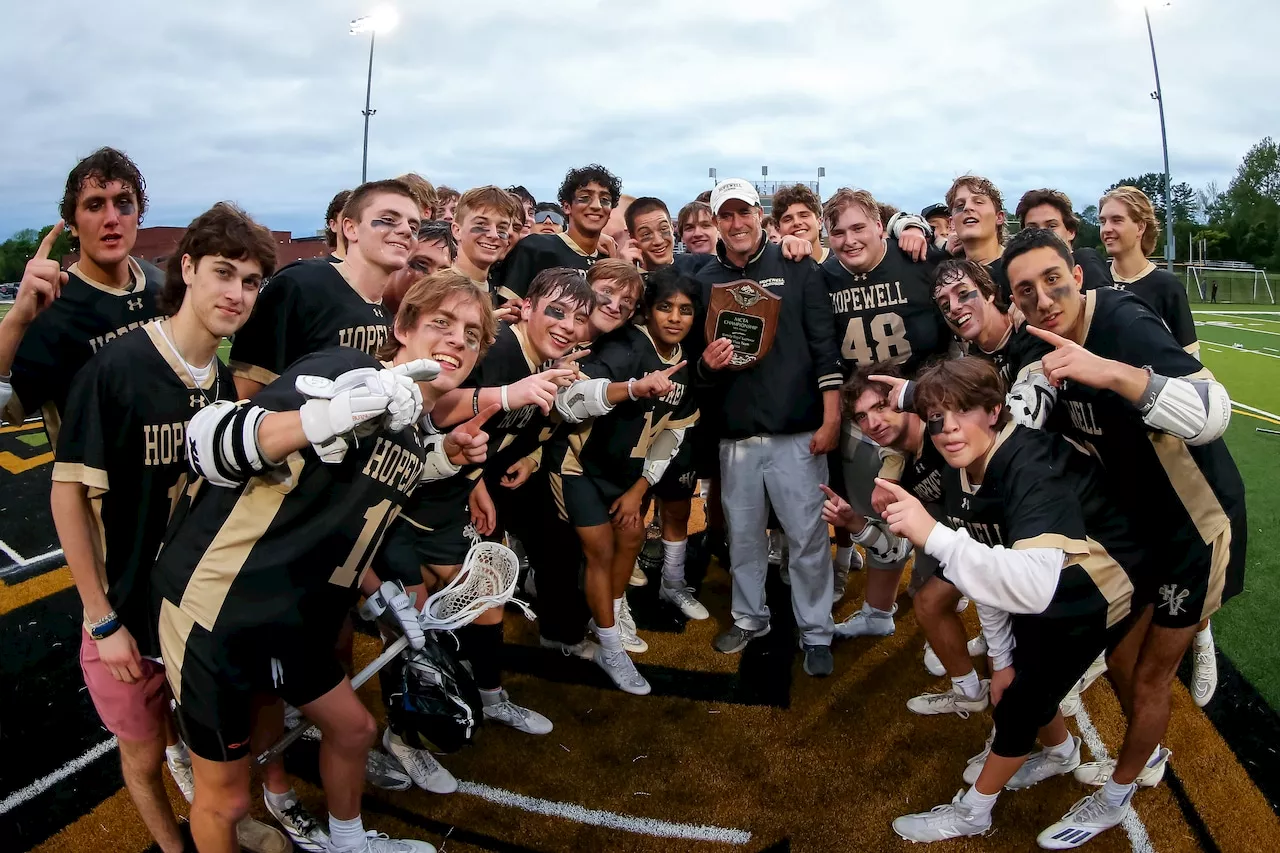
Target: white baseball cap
column 733, row 188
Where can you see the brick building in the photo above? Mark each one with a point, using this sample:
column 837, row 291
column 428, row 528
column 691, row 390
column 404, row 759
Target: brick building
column 157, row 243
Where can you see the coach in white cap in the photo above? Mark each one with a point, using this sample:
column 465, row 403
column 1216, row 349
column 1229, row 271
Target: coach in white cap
column 777, row 419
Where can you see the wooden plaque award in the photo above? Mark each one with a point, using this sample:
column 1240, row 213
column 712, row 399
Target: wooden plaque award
column 746, row 314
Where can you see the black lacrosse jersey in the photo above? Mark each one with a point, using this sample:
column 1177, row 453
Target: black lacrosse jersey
column 437, row 500
column 281, row 555
column 1040, row 491
column 123, row 436
column 919, row 473
column 1020, row 348
column 306, row 307
column 539, row 252
column 1181, row 496
column 887, row 313
column 1001, row 279
column 1166, row 296
column 86, row 316
column 613, row 447
column 1097, row 272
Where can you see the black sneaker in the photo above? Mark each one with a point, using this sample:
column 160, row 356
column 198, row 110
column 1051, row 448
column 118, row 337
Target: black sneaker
column 818, row 661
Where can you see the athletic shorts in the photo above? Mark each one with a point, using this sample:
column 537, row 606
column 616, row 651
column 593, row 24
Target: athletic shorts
column 220, row 675
column 1191, row 589
column 584, row 501
column 134, row 712
column 408, row 547
column 677, row 484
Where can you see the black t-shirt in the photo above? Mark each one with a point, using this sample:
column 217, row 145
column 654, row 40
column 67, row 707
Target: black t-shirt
column 123, row 437
column 539, row 252
column 85, row 316
column 304, row 308
column 1165, row 295
column 1001, row 279
column 284, row 552
column 887, row 313
column 1039, row 491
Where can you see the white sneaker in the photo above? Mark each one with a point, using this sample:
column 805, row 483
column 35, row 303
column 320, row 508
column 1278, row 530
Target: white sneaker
column 977, row 647
column 622, row 671
column 951, row 702
column 953, row 820
column 383, row 771
column 257, row 837
column 973, row 767
column 180, row 770
column 638, row 577
column 962, row 605
column 1098, row 772
column 1204, row 671
column 510, row 714
column 866, row 623
column 301, row 826
column 427, row 773
column 1042, row 764
column 1072, row 702
column 378, row 842
column 584, row 649
column 631, row 641
column 1094, row 672
column 682, row 597
column 1087, row 818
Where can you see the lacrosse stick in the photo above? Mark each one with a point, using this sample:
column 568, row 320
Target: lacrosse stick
column 487, row 579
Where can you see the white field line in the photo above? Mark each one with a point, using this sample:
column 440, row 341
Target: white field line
column 21, row 562
column 1236, row 311
column 1235, row 327
column 1229, row 348
column 1133, row 827
column 72, row 767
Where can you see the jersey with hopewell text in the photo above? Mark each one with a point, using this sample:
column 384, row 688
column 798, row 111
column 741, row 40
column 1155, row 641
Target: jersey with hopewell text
column 86, row 315
column 539, row 252
column 281, row 555
column 919, row 473
column 887, row 313
column 123, row 438
column 306, row 307
column 1166, row 296
column 1182, row 497
column 1040, row 491
column 613, row 447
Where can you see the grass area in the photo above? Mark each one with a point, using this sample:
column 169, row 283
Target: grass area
column 1234, row 287
column 1252, row 374
column 224, row 351
column 4, row 308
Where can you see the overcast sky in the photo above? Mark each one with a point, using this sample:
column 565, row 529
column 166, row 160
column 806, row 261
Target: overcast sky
column 259, row 102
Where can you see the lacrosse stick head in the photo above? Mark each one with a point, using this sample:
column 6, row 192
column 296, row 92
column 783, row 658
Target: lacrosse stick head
column 487, row 579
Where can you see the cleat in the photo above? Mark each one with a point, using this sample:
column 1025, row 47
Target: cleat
column 427, row 773
column 301, row 826
column 638, row 577
column 180, row 770
column 631, row 641
column 519, row 718
column 953, row 820
column 584, row 649
column 1088, row 818
column 977, row 647
column 951, row 702
column 735, row 639
column 683, row 599
column 1094, row 671
column 1204, row 671
column 383, row 771
column 973, row 767
column 256, row 837
column 379, row 842
column 1042, row 764
column 866, row 623
column 621, row 669
column 1098, row 772
column 962, row 605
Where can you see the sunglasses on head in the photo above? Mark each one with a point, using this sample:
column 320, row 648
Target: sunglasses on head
column 549, row 216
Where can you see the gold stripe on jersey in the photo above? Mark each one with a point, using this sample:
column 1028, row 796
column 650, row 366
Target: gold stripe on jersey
column 1142, row 273
column 253, row 373
column 676, row 356
column 1111, row 580
column 508, row 294
column 255, row 510
column 349, row 276
column 557, row 492
column 175, row 630
column 572, row 464
column 179, row 369
column 1191, row 486
column 137, row 280
column 1001, row 438
column 1221, row 556
column 568, row 241
column 1090, row 305
column 892, row 465
column 1067, row 545
column 74, row 472
column 526, row 348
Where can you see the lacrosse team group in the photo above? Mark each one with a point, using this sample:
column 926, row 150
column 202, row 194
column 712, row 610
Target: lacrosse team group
column 1011, row 423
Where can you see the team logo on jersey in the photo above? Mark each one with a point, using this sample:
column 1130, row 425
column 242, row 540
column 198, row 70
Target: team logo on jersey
column 377, row 311
column 1171, row 599
column 686, row 479
column 772, row 282
column 135, row 304
column 964, row 503
column 196, row 401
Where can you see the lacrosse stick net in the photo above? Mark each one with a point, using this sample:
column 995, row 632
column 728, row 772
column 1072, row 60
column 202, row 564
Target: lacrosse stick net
column 487, row 579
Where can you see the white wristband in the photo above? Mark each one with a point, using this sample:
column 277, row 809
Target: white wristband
column 630, row 395
column 506, row 407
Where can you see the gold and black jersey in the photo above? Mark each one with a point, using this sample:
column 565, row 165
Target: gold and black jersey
column 282, row 554
column 1019, row 349
column 85, row 317
column 613, row 447
column 123, row 437
column 919, row 473
column 1167, row 297
column 539, row 252
column 304, row 308
column 1040, row 491
column 887, row 313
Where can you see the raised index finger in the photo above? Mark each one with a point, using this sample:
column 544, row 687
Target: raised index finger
column 474, row 425
column 1047, row 336
column 573, row 357
column 892, row 488
column 46, row 245
column 671, row 370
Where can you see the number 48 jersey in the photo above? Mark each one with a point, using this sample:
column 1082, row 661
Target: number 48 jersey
column 887, row 313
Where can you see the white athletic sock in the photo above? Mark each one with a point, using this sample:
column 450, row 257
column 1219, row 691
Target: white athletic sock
column 978, row 803
column 491, row 697
column 844, row 556
column 1204, row 638
column 875, row 612
column 1063, row 750
column 617, row 608
column 1155, row 757
column 610, row 638
column 280, row 801
column 967, row 685
column 346, row 833
column 1114, row 794
column 673, row 562
column 177, row 753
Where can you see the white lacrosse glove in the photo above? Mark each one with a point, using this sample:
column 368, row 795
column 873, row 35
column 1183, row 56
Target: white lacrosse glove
column 883, row 546
column 395, row 607
column 404, row 378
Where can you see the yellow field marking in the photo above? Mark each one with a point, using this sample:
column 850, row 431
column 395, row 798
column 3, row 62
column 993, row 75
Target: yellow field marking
column 17, row 465
column 22, row 427
column 22, row 594
column 1252, row 415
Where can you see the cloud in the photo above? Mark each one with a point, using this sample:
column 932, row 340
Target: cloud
column 260, row 102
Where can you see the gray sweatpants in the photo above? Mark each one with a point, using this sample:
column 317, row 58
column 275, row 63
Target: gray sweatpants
column 777, row 469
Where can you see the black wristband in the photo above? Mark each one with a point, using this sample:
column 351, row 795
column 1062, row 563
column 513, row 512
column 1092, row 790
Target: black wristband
column 475, row 402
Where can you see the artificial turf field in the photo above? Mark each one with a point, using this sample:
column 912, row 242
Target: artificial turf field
column 728, row 752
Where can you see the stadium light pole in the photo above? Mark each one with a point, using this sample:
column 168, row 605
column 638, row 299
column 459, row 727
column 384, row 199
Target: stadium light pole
column 1158, row 97
column 381, row 20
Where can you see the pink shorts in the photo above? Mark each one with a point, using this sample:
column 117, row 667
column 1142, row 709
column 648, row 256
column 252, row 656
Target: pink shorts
column 129, row 711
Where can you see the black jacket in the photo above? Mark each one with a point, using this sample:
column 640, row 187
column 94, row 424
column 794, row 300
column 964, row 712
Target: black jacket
column 782, row 393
